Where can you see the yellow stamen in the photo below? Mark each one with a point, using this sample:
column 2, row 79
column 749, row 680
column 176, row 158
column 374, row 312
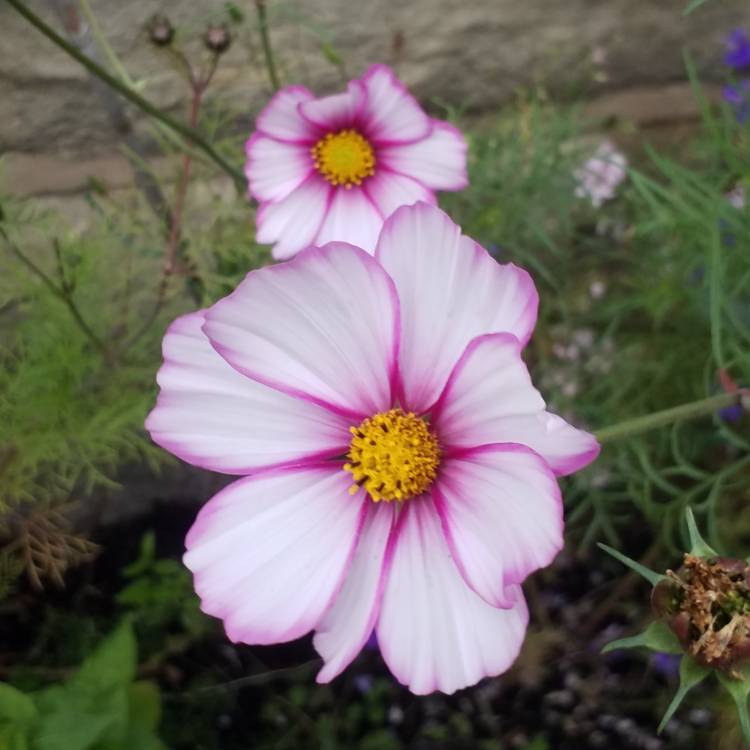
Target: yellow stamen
column 344, row 158
column 393, row 455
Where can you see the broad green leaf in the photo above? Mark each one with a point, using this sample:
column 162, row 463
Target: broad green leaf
column 112, row 664
column 15, row 705
column 698, row 545
column 691, row 673
column 145, row 704
column 657, row 636
column 650, row 575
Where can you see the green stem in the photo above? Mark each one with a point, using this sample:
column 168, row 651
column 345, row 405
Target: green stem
column 145, row 106
column 62, row 293
column 666, row 417
column 265, row 38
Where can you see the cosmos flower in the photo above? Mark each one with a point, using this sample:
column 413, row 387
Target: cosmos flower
column 400, row 467
column 600, row 176
column 737, row 55
column 333, row 169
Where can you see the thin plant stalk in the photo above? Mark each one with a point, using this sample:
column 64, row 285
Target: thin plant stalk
column 144, row 105
column 691, row 410
column 265, row 38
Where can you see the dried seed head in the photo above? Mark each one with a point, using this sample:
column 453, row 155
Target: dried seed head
column 706, row 603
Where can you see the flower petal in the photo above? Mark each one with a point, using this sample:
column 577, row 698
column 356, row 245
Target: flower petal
column 489, row 398
column 389, row 191
column 438, row 161
column 390, row 113
column 281, row 118
column 212, row 416
column 347, row 625
column 434, row 632
column 501, row 512
column 274, row 169
column 451, row 291
column 293, row 222
column 352, row 218
column 269, row 552
column 323, row 326
column 337, row 112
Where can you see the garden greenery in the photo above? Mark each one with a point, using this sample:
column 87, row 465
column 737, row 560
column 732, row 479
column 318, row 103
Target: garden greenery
column 645, row 305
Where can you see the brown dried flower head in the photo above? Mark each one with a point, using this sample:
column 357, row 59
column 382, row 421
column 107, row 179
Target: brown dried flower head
column 706, row 604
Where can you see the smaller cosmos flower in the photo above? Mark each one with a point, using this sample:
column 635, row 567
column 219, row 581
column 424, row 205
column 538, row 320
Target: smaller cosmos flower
column 738, row 50
column 600, row 176
column 399, row 466
column 333, row 169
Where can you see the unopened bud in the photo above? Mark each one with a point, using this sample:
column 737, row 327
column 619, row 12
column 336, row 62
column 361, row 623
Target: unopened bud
column 160, row 30
column 217, row 38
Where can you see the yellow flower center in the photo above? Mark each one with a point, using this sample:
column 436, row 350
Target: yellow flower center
column 393, row 455
column 344, row 158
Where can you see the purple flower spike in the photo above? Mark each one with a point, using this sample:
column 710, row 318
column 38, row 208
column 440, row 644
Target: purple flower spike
column 738, row 50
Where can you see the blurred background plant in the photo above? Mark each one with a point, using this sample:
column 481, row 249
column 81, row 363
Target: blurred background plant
column 645, row 296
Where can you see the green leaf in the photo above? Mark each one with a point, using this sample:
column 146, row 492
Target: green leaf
column 330, row 54
column 15, row 705
column 694, row 5
column 146, row 557
column 739, row 690
column 17, row 714
column 657, row 636
column 112, row 664
column 145, row 704
column 651, row 576
column 698, row 545
column 691, row 673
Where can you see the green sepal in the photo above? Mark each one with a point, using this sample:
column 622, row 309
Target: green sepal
column 698, row 545
column 739, row 690
column 691, row 673
column 650, row 575
column 657, row 637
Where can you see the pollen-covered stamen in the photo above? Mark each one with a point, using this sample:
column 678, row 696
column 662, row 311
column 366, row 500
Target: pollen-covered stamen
column 345, row 158
column 393, row 455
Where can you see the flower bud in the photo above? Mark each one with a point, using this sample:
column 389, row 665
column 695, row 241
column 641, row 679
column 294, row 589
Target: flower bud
column 160, row 30
column 217, row 38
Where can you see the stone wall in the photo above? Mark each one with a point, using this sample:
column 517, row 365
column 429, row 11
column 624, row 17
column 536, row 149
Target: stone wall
column 471, row 54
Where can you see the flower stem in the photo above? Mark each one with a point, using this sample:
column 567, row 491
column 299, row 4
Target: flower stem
column 265, row 38
column 691, row 410
column 144, row 105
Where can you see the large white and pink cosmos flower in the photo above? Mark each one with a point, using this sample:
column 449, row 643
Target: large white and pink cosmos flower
column 400, row 468
column 333, row 169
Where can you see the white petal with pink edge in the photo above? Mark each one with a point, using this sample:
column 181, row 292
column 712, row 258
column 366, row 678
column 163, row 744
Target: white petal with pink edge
column 389, row 191
column 351, row 217
column 501, row 512
column 281, row 119
column 274, row 169
column 336, row 112
column 210, row 415
column 390, row 113
column 489, row 398
column 294, row 222
column 434, row 632
column 451, row 291
column 438, row 161
column 269, row 552
column 348, row 623
column 323, row 327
